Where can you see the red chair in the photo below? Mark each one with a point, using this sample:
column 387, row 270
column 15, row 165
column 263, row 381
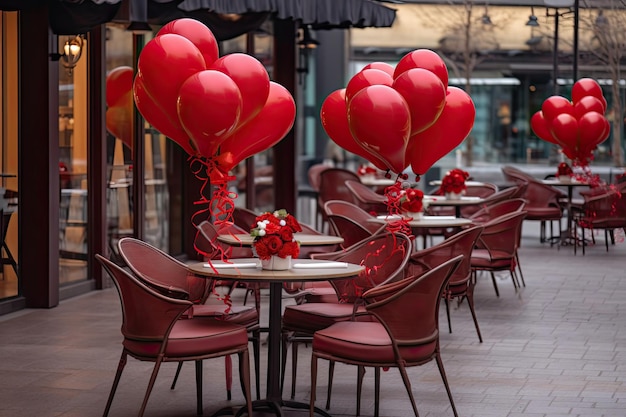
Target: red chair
column 155, row 330
column 543, row 202
column 170, row 277
column 461, row 285
column 491, row 211
column 366, row 198
column 313, row 175
column 606, row 211
column 333, row 187
column 350, row 222
column 402, row 331
column 496, row 249
column 384, row 255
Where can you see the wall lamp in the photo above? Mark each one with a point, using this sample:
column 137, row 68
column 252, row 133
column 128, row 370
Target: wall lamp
column 306, row 43
column 72, row 51
column 532, row 19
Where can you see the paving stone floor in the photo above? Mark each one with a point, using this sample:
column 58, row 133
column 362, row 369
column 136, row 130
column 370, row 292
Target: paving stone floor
column 555, row 348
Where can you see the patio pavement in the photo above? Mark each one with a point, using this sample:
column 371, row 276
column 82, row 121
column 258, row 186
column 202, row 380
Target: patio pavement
column 555, row 348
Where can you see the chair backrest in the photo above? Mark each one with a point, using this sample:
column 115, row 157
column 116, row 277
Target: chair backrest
column 483, row 190
column 384, row 256
column 147, row 315
column 244, row 218
column 333, row 185
column 498, row 209
column 515, row 175
column 410, row 308
column 161, row 271
column 313, row 175
column 207, row 242
column 461, row 243
column 538, row 194
column 503, row 234
column 349, row 229
column 366, row 198
column 608, row 208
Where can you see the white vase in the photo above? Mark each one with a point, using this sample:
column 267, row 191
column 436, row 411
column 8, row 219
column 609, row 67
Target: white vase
column 276, row 263
column 565, row 178
column 453, row 196
column 414, row 215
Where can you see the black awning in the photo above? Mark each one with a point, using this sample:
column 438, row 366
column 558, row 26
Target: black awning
column 320, row 14
column 71, row 17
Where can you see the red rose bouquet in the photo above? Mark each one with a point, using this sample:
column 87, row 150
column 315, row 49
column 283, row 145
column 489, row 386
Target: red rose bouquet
column 564, row 170
column 412, row 200
column 454, row 181
column 273, row 235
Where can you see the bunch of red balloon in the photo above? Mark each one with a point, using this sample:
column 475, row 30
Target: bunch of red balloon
column 220, row 110
column 577, row 126
column 396, row 117
column 119, row 100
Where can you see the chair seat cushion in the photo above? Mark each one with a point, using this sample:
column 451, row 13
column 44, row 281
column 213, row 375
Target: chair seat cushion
column 243, row 315
column 309, row 317
column 366, row 342
column 543, row 213
column 482, row 259
column 190, row 337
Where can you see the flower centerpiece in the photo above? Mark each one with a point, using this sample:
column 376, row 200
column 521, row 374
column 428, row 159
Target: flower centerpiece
column 412, row 202
column 453, row 183
column 274, row 242
column 564, row 172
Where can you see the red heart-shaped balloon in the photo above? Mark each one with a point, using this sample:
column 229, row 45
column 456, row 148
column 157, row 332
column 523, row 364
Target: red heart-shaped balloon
column 556, row 105
column 587, row 87
column 365, row 78
column 209, row 105
column 334, row 118
column 451, row 128
column 541, row 127
column 424, row 93
column 119, row 82
column 118, row 119
column 426, row 59
column 380, row 121
column 257, row 134
column 252, row 79
column 587, row 104
column 564, row 127
column 198, row 33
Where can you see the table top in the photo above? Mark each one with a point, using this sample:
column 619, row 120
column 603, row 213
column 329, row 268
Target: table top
column 305, row 239
column 566, row 183
column 426, row 221
column 440, row 200
column 377, row 181
column 301, row 270
column 467, row 183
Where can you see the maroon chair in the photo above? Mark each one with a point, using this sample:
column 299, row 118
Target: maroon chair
column 384, row 255
column 155, row 330
column 350, row 222
column 244, row 218
column 313, row 175
column 403, row 331
column 333, row 187
column 171, row 277
column 491, row 211
column 461, row 285
column 497, row 246
column 544, row 203
column 366, row 198
column 606, row 211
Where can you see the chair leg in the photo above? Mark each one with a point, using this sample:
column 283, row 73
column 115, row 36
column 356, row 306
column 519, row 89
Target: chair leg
column 359, row 387
column 519, row 268
column 116, row 380
column 155, row 371
column 447, row 303
column 228, row 368
column 376, row 390
column 244, row 377
column 495, row 284
column 313, row 384
column 407, row 385
column 470, row 302
column 256, row 352
column 294, row 367
column 331, row 372
column 285, row 348
column 199, row 386
column 445, row 382
column 178, row 368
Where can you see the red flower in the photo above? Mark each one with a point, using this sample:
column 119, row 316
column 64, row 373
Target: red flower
column 454, row 181
column 273, row 235
column 412, row 200
column 564, row 170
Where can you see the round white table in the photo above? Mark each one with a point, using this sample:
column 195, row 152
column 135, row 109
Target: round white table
column 249, row 269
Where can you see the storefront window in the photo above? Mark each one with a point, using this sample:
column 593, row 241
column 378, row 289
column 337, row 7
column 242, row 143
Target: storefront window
column 73, row 160
column 9, row 283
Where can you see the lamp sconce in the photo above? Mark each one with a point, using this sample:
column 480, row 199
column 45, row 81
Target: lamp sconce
column 306, row 43
column 486, row 19
column 532, row 19
column 72, row 51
